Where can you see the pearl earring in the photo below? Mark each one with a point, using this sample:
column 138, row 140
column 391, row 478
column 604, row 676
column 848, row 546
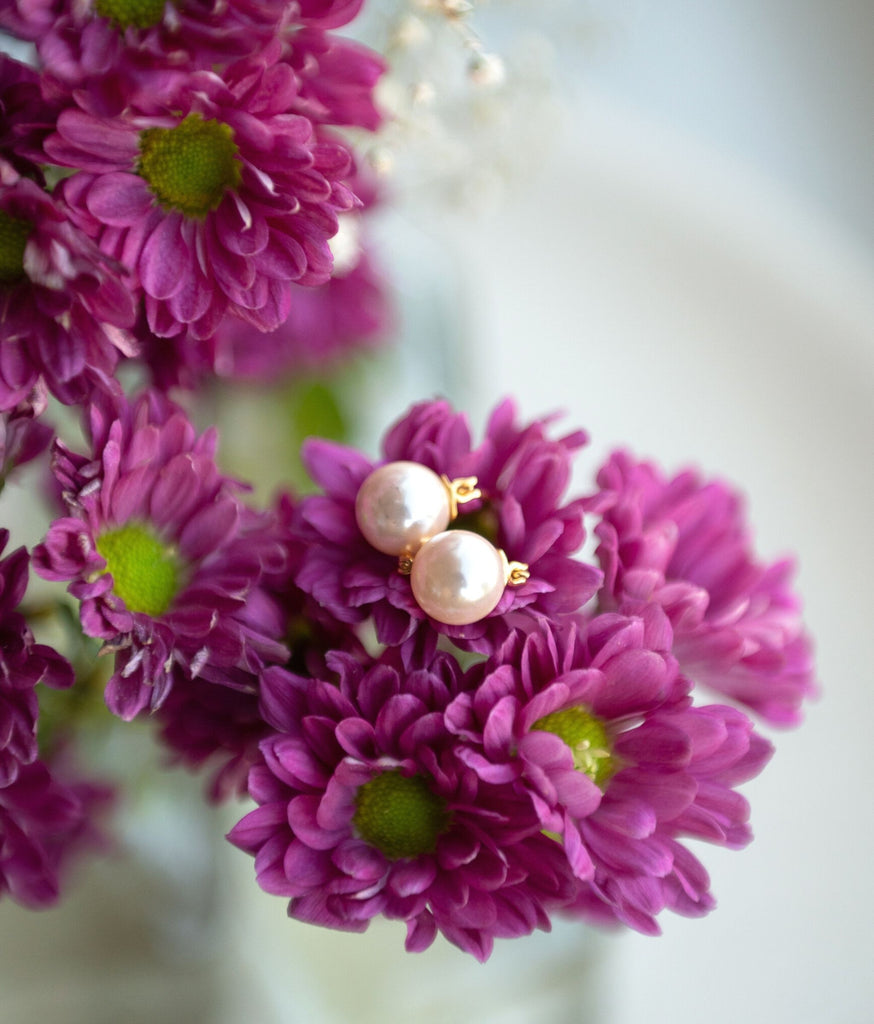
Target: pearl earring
column 456, row 576
column 459, row 577
column 402, row 504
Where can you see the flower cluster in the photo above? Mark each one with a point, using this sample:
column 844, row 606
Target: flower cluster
column 550, row 757
column 172, row 179
column 443, row 711
column 201, row 168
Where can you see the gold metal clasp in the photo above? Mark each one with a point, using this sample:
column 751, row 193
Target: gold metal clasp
column 460, row 491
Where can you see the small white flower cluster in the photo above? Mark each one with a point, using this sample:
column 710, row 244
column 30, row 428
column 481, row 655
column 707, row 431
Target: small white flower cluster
column 464, row 121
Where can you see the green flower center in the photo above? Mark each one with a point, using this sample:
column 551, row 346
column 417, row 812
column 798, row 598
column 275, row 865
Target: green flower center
column 190, row 167
column 14, row 234
column 144, row 571
column 399, row 815
column 587, row 737
column 131, row 13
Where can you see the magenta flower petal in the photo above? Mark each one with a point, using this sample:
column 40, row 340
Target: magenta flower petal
column 118, row 199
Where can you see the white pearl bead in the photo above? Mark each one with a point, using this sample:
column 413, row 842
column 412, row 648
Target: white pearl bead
column 400, row 505
column 458, row 577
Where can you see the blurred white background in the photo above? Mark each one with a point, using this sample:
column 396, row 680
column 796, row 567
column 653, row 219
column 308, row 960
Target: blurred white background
column 693, row 277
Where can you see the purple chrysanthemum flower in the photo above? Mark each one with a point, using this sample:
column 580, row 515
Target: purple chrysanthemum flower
column 161, row 553
column 23, row 664
column 523, row 475
column 685, row 544
column 63, row 304
column 593, row 724
column 366, row 810
column 217, row 197
column 116, row 50
column 326, row 324
column 110, row 51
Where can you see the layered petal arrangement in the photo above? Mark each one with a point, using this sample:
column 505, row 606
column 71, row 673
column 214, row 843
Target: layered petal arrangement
column 569, row 768
column 160, row 551
column 546, row 754
column 366, row 809
column 217, row 198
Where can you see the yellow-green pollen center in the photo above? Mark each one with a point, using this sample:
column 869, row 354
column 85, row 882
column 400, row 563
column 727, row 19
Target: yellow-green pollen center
column 131, row 13
column 587, row 737
column 399, row 815
column 14, row 234
column 190, row 167
column 145, row 572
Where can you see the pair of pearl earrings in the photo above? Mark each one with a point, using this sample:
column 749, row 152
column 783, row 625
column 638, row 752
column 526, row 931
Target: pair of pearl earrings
column 456, row 576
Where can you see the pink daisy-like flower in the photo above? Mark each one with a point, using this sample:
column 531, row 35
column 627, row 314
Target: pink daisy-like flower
column 161, row 553
column 685, row 544
column 522, row 474
column 23, row 664
column 593, row 724
column 365, row 810
column 63, row 304
column 217, row 198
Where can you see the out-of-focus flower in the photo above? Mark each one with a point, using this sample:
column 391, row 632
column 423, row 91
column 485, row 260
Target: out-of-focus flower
column 336, row 79
column 685, row 544
column 326, row 324
column 23, row 664
column 26, row 117
column 47, row 818
column 22, row 435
